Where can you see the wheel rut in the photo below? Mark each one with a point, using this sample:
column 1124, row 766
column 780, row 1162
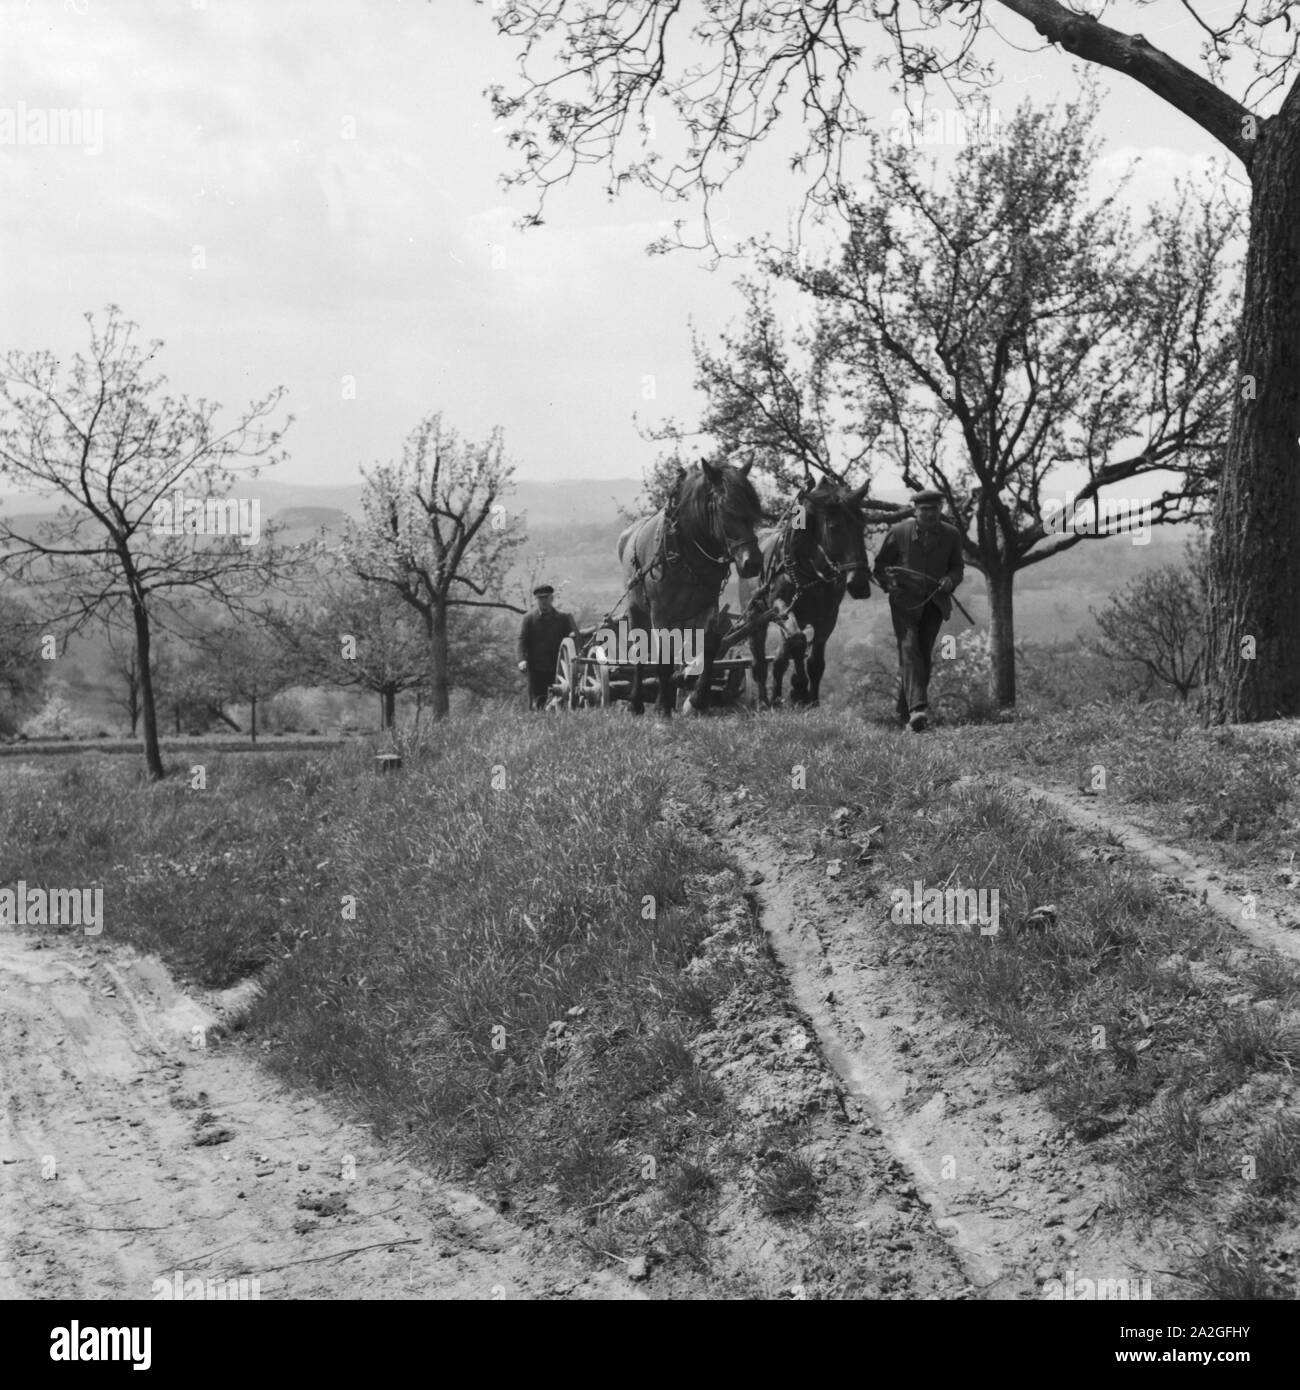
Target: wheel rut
column 1020, row 1203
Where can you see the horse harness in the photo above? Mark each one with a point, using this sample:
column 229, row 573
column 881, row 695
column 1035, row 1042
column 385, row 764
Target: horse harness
column 786, row 565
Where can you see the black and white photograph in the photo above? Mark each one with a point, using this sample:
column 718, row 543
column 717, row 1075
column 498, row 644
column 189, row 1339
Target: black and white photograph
column 650, row 651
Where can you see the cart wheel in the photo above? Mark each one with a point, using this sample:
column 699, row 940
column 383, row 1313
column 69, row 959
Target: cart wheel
column 738, row 687
column 566, row 675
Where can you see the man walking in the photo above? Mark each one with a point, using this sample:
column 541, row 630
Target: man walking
column 919, row 566
column 539, row 644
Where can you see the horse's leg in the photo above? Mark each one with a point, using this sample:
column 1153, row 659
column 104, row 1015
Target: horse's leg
column 758, row 652
column 664, row 667
column 823, row 626
column 799, row 680
column 779, row 668
column 816, row 668
column 635, row 621
column 712, row 645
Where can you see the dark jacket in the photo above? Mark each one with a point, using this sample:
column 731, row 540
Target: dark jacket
column 937, row 557
column 540, row 636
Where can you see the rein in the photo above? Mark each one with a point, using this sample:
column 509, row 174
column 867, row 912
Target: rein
column 918, row 607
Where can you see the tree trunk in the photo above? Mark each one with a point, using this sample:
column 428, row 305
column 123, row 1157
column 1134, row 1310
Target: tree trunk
column 152, row 749
column 1002, row 647
column 133, row 699
column 440, row 694
column 252, row 720
column 387, row 709
column 1253, row 619
column 216, row 709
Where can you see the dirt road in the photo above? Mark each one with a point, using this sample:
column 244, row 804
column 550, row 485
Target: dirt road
column 133, row 1164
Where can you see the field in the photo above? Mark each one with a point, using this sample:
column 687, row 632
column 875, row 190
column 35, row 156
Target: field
column 655, row 995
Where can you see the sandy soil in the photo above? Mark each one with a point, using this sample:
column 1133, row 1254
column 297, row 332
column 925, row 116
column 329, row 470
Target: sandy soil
column 127, row 1157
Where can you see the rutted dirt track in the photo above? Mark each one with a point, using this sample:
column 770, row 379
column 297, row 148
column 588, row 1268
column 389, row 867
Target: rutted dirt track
column 127, row 1157
column 1270, row 930
column 1018, row 1204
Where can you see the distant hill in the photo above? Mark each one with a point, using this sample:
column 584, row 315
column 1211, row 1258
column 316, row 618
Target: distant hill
column 564, row 502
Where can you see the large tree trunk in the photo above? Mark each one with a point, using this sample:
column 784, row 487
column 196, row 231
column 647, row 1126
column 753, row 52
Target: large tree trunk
column 1253, row 624
column 1002, row 648
column 387, row 709
column 440, row 693
column 152, row 748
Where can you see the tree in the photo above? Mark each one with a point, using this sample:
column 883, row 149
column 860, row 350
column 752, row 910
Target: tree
column 593, row 77
column 982, row 335
column 435, row 530
column 364, row 635
column 1157, row 622
column 115, row 452
column 22, row 671
column 122, row 665
column 182, row 684
column 246, row 659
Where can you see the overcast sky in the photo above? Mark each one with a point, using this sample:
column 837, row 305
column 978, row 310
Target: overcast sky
column 301, row 193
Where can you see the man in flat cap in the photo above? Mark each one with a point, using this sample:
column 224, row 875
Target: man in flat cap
column 919, row 565
column 539, row 644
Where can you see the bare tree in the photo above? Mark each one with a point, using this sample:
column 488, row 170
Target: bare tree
column 122, row 665
column 722, row 76
column 114, row 451
column 980, row 336
column 247, row 658
column 363, row 635
column 435, row 530
column 22, row 671
column 1157, row 622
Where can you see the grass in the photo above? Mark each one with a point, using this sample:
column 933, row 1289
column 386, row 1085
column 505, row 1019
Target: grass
column 496, row 954
column 1217, row 787
column 484, row 954
column 1108, row 1004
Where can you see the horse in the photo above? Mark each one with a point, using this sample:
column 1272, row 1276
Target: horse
column 676, row 562
column 809, row 561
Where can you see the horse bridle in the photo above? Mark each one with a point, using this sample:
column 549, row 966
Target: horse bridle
column 837, row 570
column 723, row 562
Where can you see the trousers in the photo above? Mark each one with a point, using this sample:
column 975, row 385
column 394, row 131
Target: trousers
column 916, row 634
column 539, row 685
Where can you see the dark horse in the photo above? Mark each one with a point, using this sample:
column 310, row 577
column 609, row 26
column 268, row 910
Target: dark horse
column 816, row 553
column 676, row 563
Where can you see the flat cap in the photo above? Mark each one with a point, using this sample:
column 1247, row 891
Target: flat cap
column 928, row 495
column 543, row 589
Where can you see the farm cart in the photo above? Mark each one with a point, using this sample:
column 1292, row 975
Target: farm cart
column 588, row 675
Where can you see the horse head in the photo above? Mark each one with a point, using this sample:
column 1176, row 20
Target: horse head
column 733, row 509
column 839, row 532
